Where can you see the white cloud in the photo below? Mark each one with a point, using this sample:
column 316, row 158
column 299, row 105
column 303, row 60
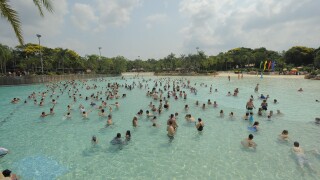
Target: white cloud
column 32, row 23
column 102, row 14
column 222, row 25
column 155, row 19
column 83, row 16
column 74, row 44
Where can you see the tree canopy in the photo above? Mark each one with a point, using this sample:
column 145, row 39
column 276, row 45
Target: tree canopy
column 26, row 58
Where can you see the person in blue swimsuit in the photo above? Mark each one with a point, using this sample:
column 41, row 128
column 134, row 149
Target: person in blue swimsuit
column 251, row 118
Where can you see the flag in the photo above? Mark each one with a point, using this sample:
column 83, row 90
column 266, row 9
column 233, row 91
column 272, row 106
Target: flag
column 273, row 65
column 265, row 65
column 269, row 65
column 261, row 64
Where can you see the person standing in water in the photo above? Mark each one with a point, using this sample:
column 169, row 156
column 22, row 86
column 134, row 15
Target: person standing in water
column 250, row 105
column 256, row 89
column 170, row 130
column 199, row 125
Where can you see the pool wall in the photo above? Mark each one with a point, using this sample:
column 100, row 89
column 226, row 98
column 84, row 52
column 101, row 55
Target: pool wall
column 20, row 80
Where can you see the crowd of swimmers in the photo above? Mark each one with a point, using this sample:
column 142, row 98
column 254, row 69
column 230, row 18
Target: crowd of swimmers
column 161, row 92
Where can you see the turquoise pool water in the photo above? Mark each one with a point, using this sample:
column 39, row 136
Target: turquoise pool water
column 56, row 148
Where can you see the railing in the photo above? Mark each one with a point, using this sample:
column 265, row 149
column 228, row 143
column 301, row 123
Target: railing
column 32, row 79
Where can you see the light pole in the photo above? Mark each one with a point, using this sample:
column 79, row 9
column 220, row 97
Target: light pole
column 100, row 51
column 100, row 57
column 39, row 36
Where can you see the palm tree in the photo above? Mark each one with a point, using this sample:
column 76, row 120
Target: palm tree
column 8, row 13
column 5, row 55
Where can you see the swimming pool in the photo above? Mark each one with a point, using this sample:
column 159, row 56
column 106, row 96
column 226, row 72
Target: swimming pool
column 56, row 148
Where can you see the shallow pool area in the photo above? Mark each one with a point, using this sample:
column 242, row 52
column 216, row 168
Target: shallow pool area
column 58, row 148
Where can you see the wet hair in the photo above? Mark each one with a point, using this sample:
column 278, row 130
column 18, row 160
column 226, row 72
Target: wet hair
column 247, row 114
column 94, row 138
column 6, row 173
column 250, row 136
column 128, row 133
column 118, row 135
column 256, row 123
column 285, row 132
column 199, row 119
column 296, row 144
column 154, row 124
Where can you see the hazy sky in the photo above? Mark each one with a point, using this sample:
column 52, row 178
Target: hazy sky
column 155, row 28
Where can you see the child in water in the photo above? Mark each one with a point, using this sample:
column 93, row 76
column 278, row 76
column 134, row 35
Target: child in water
column 301, row 157
column 255, row 125
column 94, row 140
column 251, row 118
column 284, row 135
column 248, row 142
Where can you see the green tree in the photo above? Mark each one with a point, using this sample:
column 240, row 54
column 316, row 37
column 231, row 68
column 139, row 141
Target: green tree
column 92, row 62
column 120, row 64
column 5, row 56
column 317, row 59
column 299, row 55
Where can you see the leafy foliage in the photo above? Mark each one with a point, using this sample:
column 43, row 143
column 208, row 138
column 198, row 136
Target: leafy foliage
column 59, row 60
